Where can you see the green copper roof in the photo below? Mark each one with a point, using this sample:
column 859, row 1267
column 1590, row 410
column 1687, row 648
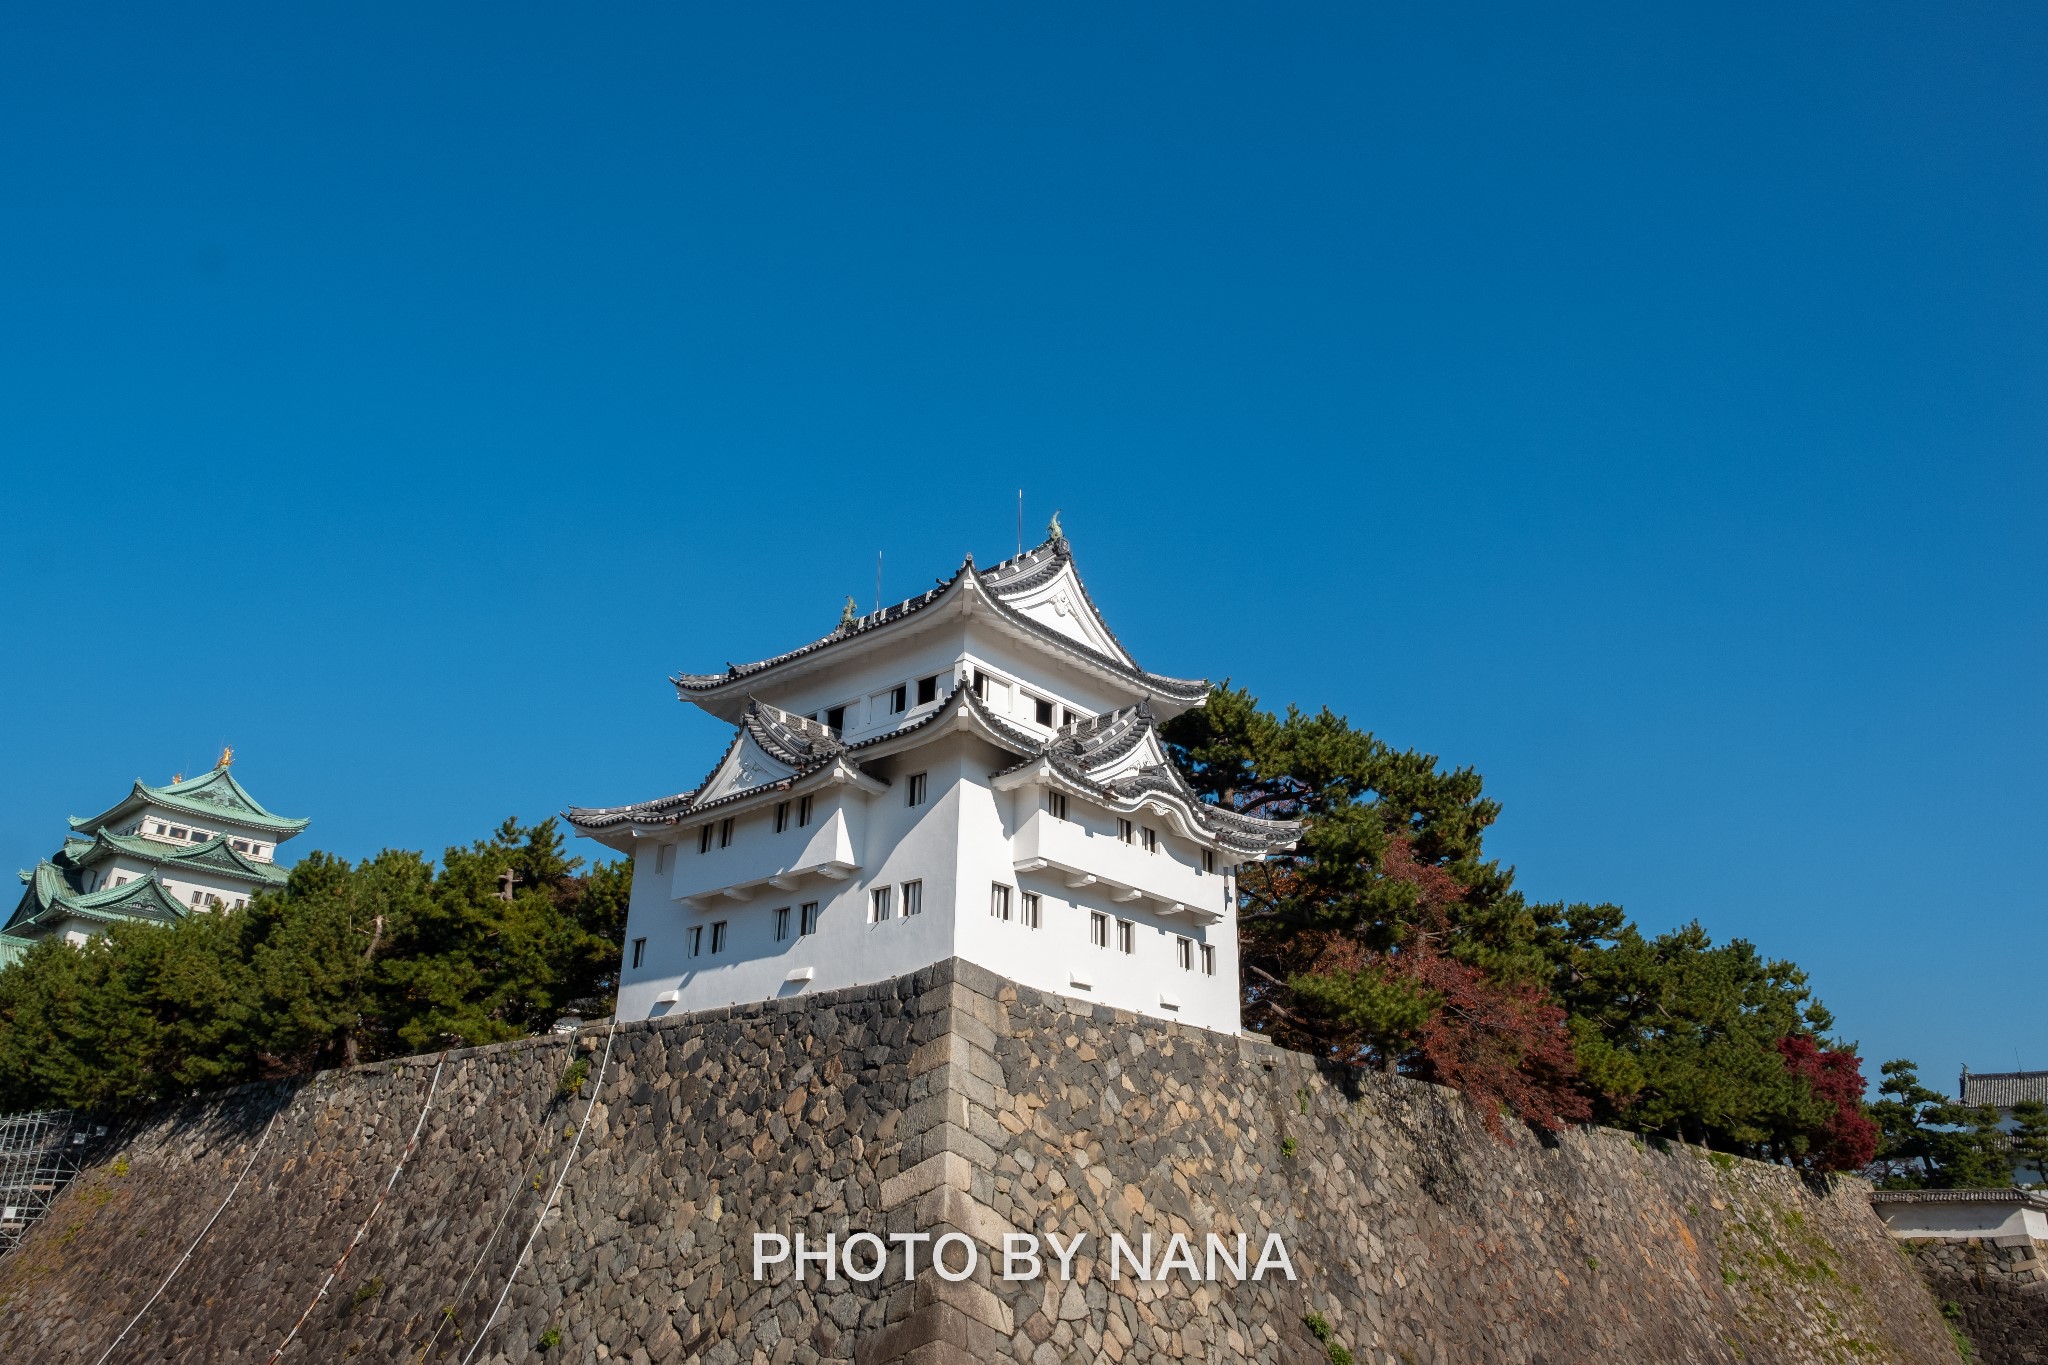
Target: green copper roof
column 214, row 856
column 214, row 798
column 49, row 899
column 12, row 948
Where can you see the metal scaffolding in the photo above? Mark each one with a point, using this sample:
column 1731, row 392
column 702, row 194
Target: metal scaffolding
column 39, row 1153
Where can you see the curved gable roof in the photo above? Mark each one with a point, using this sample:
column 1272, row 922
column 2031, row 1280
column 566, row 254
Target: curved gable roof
column 998, row 588
column 215, row 798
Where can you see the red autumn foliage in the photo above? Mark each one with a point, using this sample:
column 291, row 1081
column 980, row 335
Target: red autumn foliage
column 1505, row 1045
column 1848, row 1141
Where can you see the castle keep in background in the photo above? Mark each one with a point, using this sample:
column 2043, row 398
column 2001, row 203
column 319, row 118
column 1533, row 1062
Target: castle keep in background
column 156, row 855
column 973, row 773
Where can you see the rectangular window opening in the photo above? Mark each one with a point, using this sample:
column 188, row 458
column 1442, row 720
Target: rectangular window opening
column 696, row 939
column 1124, row 829
column 1208, row 959
column 808, row 923
column 718, row 937
column 1098, row 928
column 725, row 832
column 980, row 685
column 1031, row 911
column 704, row 839
column 1056, row 805
column 1151, row 839
column 1126, row 936
column 999, row 901
column 803, row 812
column 913, row 898
column 1184, row 949
column 916, row 786
column 782, row 925
column 1208, row 860
column 899, row 700
column 1043, row 712
column 835, row 718
column 661, row 852
column 639, row 951
column 927, row 689
column 781, row 816
column 880, row 902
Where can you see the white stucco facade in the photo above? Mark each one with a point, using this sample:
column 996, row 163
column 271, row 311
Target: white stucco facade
column 985, row 753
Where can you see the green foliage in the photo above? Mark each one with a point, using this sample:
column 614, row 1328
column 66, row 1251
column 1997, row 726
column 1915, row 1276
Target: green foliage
column 1389, row 939
column 1318, row 1326
column 345, row 963
column 1928, row 1141
column 573, row 1076
column 550, row 1339
column 1288, row 1147
column 2030, row 1138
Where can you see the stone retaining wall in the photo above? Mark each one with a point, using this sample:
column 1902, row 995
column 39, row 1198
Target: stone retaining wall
column 949, row 1100
column 1996, row 1291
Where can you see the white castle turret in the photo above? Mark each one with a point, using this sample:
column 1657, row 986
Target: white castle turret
column 973, row 773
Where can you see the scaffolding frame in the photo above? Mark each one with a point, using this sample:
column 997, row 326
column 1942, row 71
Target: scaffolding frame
column 39, row 1155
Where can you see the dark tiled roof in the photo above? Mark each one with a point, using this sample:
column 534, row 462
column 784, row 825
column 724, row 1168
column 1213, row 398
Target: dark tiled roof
column 2004, row 1196
column 1007, row 579
column 2004, row 1089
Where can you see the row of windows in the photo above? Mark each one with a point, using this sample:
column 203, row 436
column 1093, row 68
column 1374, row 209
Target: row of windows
column 1127, row 942
column 1126, row 832
column 915, row 786
column 1031, row 911
column 882, row 901
column 892, row 701
column 200, row 836
column 992, row 689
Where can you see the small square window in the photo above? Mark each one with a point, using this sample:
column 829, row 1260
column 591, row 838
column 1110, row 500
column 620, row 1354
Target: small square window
column 782, row 925
column 696, row 939
column 198, row 897
column 639, row 951
column 835, row 718
column 899, row 700
column 1125, row 830
column 1031, row 914
column 916, row 785
column 781, row 816
column 241, row 845
column 808, row 924
column 1056, row 805
column 159, row 829
column 981, row 684
column 880, row 901
column 704, row 839
column 177, row 831
column 913, row 898
column 803, row 812
column 927, row 689
column 257, row 849
column 1042, row 712
column 999, row 901
column 725, row 832
column 1208, row 959
column 718, row 937
column 1098, row 928
column 1126, row 936
column 1184, row 950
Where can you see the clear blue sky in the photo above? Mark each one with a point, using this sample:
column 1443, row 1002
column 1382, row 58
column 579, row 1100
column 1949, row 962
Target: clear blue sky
column 1644, row 407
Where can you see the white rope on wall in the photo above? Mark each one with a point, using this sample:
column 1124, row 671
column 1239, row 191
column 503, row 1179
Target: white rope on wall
column 596, row 1087
column 364, row 1231
column 202, row 1233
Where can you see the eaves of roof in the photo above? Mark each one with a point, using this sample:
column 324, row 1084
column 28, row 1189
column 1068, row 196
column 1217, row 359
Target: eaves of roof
column 246, row 813
column 1181, row 693
column 216, row 856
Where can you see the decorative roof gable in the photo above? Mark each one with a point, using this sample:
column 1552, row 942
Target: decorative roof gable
column 216, row 797
column 215, row 856
column 1055, row 613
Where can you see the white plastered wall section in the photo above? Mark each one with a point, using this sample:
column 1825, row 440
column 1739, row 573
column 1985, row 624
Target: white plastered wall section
column 1053, row 955
column 1961, row 1220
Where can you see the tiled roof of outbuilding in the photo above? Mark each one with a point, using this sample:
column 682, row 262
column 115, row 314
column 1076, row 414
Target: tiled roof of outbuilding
column 2004, row 1089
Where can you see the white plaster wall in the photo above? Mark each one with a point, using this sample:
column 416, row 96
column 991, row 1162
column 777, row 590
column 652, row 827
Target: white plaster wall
column 1957, row 1221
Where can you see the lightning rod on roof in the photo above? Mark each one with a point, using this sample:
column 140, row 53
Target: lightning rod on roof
column 1020, row 521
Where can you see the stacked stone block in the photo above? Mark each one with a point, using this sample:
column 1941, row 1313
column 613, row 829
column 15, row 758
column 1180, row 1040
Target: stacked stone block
column 1996, row 1292
column 945, row 1101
